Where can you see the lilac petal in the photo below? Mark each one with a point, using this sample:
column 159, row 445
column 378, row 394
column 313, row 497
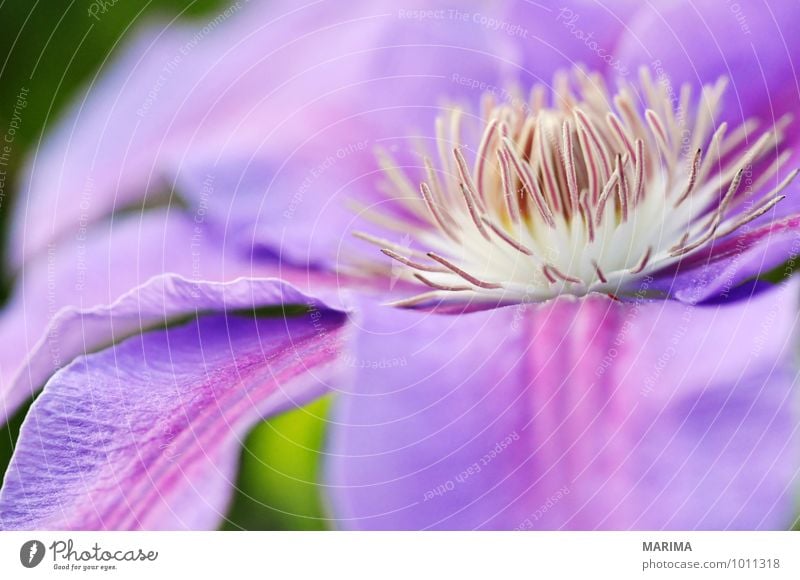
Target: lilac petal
column 574, row 414
column 94, row 147
column 715, row 272
column 267, row 78
column 146, row 434
column 96, row 267
column 101, row 264
column 265, row 210
column 74, row 330
column 697, row 41
column 559, row 36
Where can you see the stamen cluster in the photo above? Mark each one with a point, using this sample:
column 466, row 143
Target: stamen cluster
column 585, row 194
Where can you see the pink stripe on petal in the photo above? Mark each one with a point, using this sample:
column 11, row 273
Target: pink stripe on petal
column 573, row 414
column 146, row 434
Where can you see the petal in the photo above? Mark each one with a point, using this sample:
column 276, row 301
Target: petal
column 103, row 262
column 560, row 36
column 95, row 267
column 698, row 41
column 145, row 434
column 163, row 299
column 264, row 78
column 265, row 208
column 718, row 271
column 574, row 414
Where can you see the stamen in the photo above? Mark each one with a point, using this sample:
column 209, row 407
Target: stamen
column 587, row 195
column 410, row 263
column 435, row 213
column 550, row 270
column 384, row 220
column 627, row 109
column 756, row 212
column 622, row 134
column 435, row 185
column 482, row 157
column 600, row 275
column 591, row 165
column 442, row 146
column 770, row 201
column 466, row 179
column 405, row 192
column 586, row 125
column 510, row 195
column 643, row 262
column 473, row 212
column 785, row 183
column 601, row 203
column 569, row 167
column 622, row 188
column 468, row 277
column 417, row 300
column 638, row 187
column 692, row 178
column 773, row 169
column 661, row 136
column 437, row 286
column 508, row 239
column 538, row 93
column 382, row 243
column 714, row 152
column 749, row 157
column 534, row 192
column 716, row 219
column 739, row 135
column 586, row 215
column 546, row 162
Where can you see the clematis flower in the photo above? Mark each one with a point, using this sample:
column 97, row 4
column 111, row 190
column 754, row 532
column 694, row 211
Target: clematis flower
column 542, row 308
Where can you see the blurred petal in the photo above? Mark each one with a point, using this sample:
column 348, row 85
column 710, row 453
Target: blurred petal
column 697, row 41
column 145, row 434
column 92, row 148
column 554, row 36
column 572, row 414
column 269, row 210
column 269, row 78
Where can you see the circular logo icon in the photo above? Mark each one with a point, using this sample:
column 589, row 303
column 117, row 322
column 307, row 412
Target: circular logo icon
column 31, row 553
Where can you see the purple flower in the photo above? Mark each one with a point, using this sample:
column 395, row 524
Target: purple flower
column 565, row 326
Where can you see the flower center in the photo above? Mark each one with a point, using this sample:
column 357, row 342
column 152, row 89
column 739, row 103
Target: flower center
column 586, row 195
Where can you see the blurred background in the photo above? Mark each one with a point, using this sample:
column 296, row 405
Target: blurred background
column 49, row 50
